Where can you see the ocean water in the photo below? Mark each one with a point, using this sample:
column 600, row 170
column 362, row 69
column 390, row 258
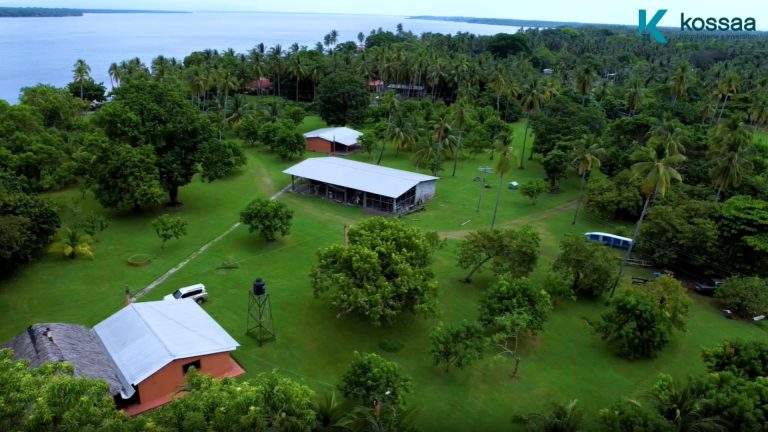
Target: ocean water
column 44, row 50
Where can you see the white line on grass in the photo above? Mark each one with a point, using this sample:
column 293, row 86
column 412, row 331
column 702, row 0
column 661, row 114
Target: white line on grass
column 194, row 255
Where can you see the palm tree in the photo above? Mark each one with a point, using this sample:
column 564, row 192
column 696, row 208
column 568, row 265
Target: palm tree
column 392, row 104
column 72, row 244
column 672, row 132
column 227, row 82
column 503, row 166
column 656, row 165
column 559, row 418
column 360, row 38
column 536, row 93
column 461, row 112
column 298, row 69
column 330, row 413
column 499, row 81
column 585, row 80
column 443, row 135
column 729, row 151
column 402, row 133
column 276, row 62
column 758, row 109
column 634, row 97
column 680, row 80
column 82, row 74
column 238, row 109
column 115, row 74
column 586, row 157
column 725, row 87
column 681, row 406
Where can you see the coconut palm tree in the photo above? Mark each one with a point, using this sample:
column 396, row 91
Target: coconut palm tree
column 238, row 109
column 681, row 80
column 227, row 83
column 536, row 93
column 499, row 82
column 276, row 63
column 758, row 109
column 730, row 149
column 360, row 38
column 115, row 74
column 558, row 418
column 72, row 244
column 585, row 80
column 461, row 111
column 655, row 164
column 391, row 103
column 682, row 406
column 443, row 135
column 587, row 154
column 634, row 97
column 503, row 166
column 725, row 88
column 672, row 132
column 82, row 74
column 297, row 68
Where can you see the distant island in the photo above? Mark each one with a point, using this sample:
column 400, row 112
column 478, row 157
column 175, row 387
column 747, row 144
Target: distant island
column 38, row 12
column 502, row 21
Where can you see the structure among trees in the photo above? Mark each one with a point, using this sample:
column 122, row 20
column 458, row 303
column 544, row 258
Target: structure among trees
column 333, row 140
column 380, row 189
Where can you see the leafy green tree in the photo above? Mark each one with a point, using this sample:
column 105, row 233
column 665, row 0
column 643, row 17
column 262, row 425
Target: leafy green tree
column 670, row 230
column 371, row 378
column 743, row 228
column 587, row 265
column 168, row 227
column 503, row 45
column 342, row 98
column 92, row 91
column 745, row 296
column 289, row 143
column 535, row 93
column 691, row 406
column 509, row 295
column 635, row 325
column 512, row 251
column 532, row 189
column 220, row 158
column 383, row 272
column 58, row 107
column 563, row 120
column 27, row 224
column 748, row 359
column 266, row 402
column 250, row 129
column 72, row 244
column 124, row 176
column 458, row 345
column 672, row 298
column 159, row 115
column 557, row 285
column 730, row 150
column 618, row 197
column 50, row 398
column 555, row 165
column 267, row 217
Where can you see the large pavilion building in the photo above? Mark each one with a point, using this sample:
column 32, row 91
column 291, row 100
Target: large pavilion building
column 333, row 140
column 376, row 188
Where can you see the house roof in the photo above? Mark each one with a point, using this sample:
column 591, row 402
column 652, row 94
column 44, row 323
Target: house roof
column 143, row 337
column 75, row 344
column 341, row 135
column 366, row 177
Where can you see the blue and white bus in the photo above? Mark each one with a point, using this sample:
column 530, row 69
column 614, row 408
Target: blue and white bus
column 609, row 239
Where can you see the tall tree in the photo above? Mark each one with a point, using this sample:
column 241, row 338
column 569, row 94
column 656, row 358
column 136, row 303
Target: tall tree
column 82, row 74
column 535, row 93
column 730, row 149
column 681, row 79
column 587, row 154
column 503, row 166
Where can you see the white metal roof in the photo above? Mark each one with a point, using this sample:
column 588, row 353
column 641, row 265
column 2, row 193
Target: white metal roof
column 341, row 135
column 366, row 177
column 143, row 337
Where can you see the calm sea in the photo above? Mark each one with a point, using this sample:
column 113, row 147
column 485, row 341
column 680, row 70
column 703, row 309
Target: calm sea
column 43, row 50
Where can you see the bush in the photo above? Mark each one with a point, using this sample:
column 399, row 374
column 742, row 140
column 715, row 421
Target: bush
column 168, row 227
column 748, row 359
column 635, row 325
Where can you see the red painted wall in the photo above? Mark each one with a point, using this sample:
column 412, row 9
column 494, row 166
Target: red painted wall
column 319, row 145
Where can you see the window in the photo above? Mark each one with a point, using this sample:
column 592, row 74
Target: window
column 176, row 294
column 195, row 364
column 192, row 293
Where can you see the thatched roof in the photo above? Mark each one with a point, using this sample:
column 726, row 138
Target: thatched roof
column 74, row 344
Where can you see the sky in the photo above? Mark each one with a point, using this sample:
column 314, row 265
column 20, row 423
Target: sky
column 588, row 11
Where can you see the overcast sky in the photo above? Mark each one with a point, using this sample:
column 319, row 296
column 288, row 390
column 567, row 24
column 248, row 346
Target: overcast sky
column 593, row 11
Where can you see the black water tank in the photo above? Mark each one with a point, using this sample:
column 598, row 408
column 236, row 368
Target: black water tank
column 259, row 287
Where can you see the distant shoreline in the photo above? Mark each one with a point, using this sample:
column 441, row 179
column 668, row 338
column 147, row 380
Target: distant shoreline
column 38, row 12
column 511, row 22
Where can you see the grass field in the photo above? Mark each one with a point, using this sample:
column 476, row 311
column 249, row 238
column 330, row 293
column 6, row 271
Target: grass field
column 314, row 346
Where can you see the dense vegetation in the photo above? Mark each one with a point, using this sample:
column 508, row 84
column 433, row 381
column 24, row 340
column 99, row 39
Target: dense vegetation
column 667, row 137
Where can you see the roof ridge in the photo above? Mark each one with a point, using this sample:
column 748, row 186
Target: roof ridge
column 159, row 339
column 358, row 163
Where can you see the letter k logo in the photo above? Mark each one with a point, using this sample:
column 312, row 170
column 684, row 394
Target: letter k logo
column 650, row 27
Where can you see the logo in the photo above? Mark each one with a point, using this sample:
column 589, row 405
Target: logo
column 647, row 28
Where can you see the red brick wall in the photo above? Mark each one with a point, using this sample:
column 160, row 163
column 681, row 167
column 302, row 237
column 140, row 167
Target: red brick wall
column 319, row 145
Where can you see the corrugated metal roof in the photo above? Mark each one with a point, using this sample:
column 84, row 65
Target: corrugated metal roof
column 366, row 177
column 341, row 135
column 143, row 337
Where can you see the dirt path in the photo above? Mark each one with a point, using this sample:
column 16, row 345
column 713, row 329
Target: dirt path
column 268, row 183
column 531, row 218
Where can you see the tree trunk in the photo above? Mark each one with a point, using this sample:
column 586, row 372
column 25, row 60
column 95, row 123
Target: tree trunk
column 381, row 153
column 456, row 156
column 581, row 197
column 297, row 89
column 498, row 198
column 468, row 279
column 82, row 97
column 634, row 240
column 173, row 196
column 722, row 109
column 717, row 194
column 525, row 137
column 517, row 367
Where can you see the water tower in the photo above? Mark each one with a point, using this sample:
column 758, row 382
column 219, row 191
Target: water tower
column 259, row 322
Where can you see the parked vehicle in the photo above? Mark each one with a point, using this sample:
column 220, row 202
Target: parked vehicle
column 195, row 292
column 708, row 287
column 611, row 240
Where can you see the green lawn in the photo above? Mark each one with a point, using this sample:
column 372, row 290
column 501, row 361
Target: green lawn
column 314, row 346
